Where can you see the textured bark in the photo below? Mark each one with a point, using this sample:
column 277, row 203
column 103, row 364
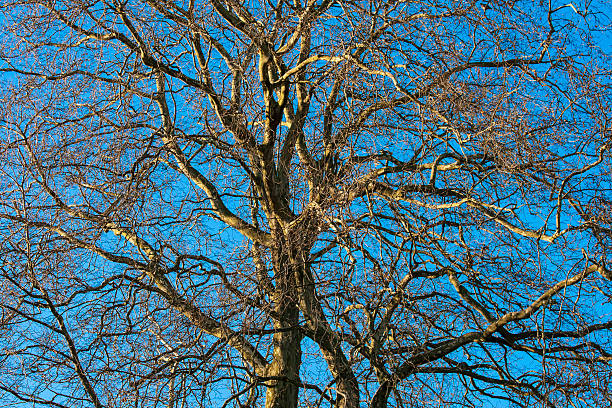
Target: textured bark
column 282, row 375
column 283, row 372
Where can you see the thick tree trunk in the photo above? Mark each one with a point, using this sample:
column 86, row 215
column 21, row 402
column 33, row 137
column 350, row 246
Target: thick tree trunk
column 283, row 373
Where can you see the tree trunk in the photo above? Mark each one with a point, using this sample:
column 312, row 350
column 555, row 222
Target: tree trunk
column 283, row 373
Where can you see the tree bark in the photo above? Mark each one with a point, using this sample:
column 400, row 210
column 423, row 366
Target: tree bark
column 282, row 379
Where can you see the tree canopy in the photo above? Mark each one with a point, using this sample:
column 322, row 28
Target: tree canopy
column 313, row 203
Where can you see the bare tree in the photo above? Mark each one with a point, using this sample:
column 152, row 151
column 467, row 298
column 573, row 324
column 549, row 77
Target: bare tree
column 321, row 203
